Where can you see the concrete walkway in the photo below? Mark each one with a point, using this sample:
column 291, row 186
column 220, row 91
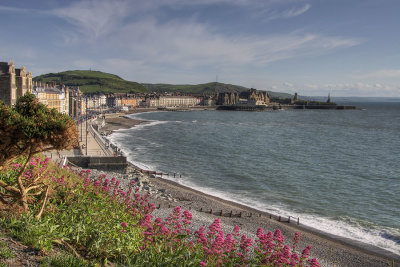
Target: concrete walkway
column 93, row 147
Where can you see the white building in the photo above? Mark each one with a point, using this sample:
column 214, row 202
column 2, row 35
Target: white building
column 172, row 101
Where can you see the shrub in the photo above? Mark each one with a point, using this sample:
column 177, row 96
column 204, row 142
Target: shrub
column 27, row 129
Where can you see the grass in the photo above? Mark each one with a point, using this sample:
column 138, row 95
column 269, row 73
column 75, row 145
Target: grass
column 65, row 260
column 92, row 81
column 5, row 252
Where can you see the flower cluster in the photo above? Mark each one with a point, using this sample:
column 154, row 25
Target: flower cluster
column 216, row 247
column 172, row 238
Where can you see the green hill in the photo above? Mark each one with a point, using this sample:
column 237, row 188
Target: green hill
column 205, row 88
column 97, row 81
column 92, row 81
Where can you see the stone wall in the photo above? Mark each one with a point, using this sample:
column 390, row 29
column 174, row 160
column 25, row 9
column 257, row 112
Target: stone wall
column 117, row 164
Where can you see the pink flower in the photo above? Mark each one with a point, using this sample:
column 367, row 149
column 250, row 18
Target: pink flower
column 187, row 215
column 203, row 263
column 260, row 231
column 164, row 230
column 305, row 253
column 314, row 263
column 124, row 224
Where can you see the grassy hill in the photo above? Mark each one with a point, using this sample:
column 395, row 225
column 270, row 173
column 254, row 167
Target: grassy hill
column 92, row 81
column 205, row 88
column 97, row 81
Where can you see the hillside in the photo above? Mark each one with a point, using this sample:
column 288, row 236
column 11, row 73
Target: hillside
column 97, row 81
column 92, row 81
column 205, row 88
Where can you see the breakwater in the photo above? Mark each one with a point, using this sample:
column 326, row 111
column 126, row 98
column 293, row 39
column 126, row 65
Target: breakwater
column 278, row 107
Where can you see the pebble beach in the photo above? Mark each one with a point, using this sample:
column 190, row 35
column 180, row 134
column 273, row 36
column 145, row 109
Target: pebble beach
column 166, row 194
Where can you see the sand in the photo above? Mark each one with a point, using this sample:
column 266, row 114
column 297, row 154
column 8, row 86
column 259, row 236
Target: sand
column 330, row 250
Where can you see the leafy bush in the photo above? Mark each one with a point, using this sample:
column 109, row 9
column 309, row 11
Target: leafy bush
column 27, row 129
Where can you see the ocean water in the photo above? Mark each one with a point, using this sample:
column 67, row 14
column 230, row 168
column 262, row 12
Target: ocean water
column 338, row 171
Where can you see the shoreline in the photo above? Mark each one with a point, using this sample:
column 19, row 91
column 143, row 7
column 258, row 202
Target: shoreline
column 329, row 249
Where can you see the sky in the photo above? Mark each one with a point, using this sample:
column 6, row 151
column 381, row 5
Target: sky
column 313, row 47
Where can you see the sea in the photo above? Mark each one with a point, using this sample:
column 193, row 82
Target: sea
column 336, row 170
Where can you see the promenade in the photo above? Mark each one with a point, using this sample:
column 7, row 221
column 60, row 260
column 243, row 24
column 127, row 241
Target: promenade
column 87, row 136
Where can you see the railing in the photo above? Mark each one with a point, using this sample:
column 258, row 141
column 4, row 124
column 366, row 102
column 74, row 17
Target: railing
column 100, row 141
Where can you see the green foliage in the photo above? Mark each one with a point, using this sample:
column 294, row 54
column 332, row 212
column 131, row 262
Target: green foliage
column 151, row 257
column 97, row 221
column 92, row 81
column 80, row 215
column 65, row 260
column 5, row 252
column 30, row 127
column 206, row 88
column 27, row 129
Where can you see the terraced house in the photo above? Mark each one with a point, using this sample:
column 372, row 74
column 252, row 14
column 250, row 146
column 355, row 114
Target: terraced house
column 172, row 101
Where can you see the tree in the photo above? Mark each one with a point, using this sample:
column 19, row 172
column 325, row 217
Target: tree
column 26, row 129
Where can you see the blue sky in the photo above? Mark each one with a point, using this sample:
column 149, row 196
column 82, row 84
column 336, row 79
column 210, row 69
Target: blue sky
column 313, row 47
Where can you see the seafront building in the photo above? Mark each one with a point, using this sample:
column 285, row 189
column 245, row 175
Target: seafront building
column 123, row 100
column 52, row 97
column 13, row 82
column 172, row 101
column 251, row 97
column 97, row 101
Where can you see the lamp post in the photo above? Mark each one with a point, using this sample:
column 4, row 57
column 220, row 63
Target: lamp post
column 75, row 111
column 87, row 131
column 80, row 115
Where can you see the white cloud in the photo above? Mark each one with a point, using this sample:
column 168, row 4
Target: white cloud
column 287, row 84
column 194, row 45
column 94, row 17
column 269, row 14
column 350, row 89
column 380, row 74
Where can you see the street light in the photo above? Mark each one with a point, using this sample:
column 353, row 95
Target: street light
column 80, row 115
column 87, row 131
